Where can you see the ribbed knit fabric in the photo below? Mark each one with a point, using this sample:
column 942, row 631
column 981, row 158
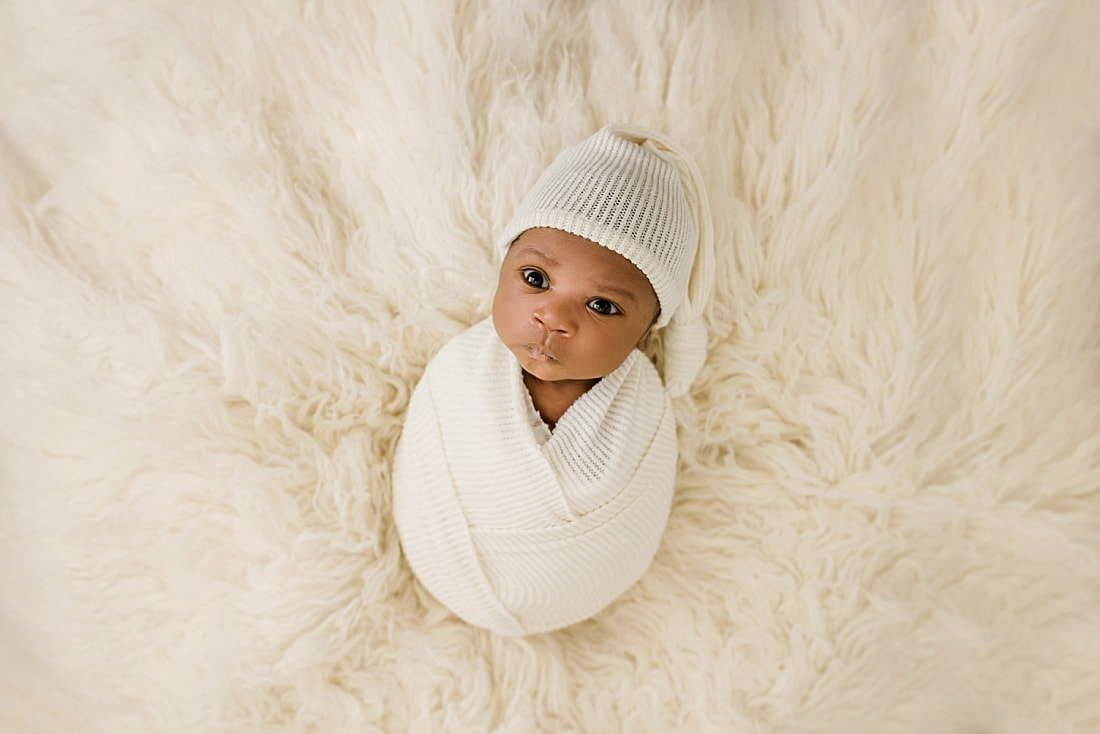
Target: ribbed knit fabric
column 519, row 537
column 640, row 195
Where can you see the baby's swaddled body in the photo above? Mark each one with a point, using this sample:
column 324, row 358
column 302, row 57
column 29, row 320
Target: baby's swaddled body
column 516, row 531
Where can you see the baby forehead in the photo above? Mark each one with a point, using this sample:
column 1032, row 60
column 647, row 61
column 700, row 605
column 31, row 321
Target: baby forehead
column 556, row 247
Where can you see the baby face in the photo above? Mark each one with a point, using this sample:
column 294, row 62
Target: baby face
column 570, row 309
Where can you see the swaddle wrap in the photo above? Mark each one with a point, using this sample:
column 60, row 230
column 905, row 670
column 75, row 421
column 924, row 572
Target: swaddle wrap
column 519, row 537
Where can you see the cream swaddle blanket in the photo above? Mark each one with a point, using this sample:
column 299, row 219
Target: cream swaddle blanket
column 520, row 530
column 517, row 535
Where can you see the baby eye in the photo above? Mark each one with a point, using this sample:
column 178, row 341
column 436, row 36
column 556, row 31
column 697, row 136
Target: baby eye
column 533, row 278
column 603, row 306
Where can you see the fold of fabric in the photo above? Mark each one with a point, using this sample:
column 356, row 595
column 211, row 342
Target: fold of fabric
column 521, row 537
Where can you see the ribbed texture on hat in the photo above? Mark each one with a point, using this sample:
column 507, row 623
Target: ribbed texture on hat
column 623, row 196
column 521, row 538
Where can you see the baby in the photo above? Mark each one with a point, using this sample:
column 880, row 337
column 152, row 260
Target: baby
column 535, row 470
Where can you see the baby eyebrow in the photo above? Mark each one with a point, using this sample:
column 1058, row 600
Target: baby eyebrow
column 541, row 255
column 622, row 292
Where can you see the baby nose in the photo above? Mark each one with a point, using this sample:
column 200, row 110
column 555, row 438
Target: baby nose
column 554, row 317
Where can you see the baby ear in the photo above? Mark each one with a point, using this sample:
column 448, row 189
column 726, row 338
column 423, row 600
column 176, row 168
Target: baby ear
column 643, row 342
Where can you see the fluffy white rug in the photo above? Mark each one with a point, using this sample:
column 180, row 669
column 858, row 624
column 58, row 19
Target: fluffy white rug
column 233, row 235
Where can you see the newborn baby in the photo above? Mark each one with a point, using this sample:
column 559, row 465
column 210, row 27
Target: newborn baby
column 535, row 470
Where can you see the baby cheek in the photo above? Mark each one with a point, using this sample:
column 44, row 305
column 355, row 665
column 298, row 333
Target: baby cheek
column 503, row 311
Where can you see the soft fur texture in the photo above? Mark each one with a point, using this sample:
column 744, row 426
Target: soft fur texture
column 233, row 234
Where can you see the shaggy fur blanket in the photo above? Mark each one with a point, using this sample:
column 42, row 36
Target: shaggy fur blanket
column 233, row 234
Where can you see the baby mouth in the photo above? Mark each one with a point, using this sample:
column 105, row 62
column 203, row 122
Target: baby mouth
column 538, row 354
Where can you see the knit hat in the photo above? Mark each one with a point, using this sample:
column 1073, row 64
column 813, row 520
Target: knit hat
column 635, row 192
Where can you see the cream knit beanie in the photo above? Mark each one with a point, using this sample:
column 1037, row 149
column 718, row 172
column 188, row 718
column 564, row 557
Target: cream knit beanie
column 635, row 192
